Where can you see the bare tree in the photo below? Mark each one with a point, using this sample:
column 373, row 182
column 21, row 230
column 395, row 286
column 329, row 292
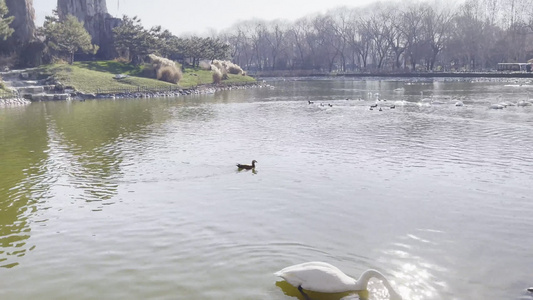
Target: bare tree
column 412, row 29
column 476, row 35
column 395, row 37
column 437, row 26
column 380, row 28
column 275, row 38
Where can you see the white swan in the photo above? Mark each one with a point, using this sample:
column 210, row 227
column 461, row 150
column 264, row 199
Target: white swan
column 325, row 278
column 523, row 103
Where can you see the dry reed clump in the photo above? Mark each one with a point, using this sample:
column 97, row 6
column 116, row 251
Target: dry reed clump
column 205, row 65
column 217, row 74
column 168, row 74
column 165, row 69
column 228, row 67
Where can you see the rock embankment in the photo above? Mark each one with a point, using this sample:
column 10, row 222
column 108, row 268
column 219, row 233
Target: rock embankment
column 25, row 86
column 200, row 90
column 13, row 102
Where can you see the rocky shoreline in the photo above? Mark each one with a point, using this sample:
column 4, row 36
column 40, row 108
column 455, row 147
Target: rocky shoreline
column 201, row 90
column 72, row 95
column 28, row 88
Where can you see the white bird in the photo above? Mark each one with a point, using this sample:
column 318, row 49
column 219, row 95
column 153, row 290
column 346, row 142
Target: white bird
column 523, row 103
column 325, row 278
column 459, row 103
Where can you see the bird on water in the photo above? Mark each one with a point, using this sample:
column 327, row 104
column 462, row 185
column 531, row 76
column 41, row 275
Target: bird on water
column 247, row 167
column 325, row 278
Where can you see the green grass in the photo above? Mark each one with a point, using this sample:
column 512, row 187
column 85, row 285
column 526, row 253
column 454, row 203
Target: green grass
column 89, row 80
column 110, row 66
column 194, row 77
column 95, row 76
column 238, row 79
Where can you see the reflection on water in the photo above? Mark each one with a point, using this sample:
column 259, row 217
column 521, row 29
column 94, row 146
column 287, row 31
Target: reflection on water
column 141, row 199
column 60, row 148
column 22, row 182
column 376, row 291
column 421, row 278
column 293, row 292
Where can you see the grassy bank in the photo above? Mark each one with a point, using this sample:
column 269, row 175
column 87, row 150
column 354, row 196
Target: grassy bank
column 91, row 77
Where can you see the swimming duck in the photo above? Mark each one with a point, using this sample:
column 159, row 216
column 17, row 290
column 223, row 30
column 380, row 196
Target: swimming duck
column 310, row 102
column 530, row 289
column 247, row 167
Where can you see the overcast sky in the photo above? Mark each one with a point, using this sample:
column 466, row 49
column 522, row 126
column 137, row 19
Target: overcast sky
column 198, row 16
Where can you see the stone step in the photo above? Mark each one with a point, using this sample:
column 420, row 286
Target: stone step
column 23, row 83
column 32, row 89
column 46, row 97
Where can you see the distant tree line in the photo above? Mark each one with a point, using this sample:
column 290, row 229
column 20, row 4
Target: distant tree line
column 133, row 42
column 390, row 37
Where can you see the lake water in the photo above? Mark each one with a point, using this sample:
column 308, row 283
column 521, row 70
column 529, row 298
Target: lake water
column 141, row 199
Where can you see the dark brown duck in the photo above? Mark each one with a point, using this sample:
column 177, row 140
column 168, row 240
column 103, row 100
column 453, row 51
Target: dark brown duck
column 247, row 167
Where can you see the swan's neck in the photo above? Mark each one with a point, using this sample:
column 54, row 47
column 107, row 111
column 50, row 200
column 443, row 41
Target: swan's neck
column 362, row 282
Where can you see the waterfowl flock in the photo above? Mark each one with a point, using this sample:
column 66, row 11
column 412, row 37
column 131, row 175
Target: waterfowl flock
column 379, row 103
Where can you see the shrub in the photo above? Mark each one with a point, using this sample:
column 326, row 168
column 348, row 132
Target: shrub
column 228, row 67
column 164, row 69
column 169, row 74
column 234, row 69
column 217, row 75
